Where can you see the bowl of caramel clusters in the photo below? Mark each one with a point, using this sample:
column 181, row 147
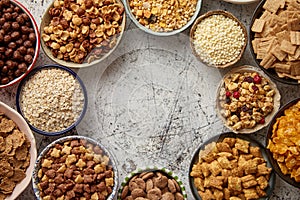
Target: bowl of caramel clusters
column 82, row 33
column 75, row 167
column 231, row 166
column 20, row 42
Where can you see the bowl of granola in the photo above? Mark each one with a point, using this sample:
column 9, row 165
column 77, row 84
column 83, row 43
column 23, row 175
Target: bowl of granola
column 247, row 99
column 163, row 18
column 274, row 35
column 83, row 33
column 52, row 99
column 231, row 165
column 152, row 183
column 75, row 167
column 18, row 153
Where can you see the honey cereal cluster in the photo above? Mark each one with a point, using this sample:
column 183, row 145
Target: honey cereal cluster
column 246, row 98
column 276, row 40
column 83, row 28
column 284, row 143
column 163, row 16
column 152, row 185
column 75, row 169
column 14, row 155
column 231, row 169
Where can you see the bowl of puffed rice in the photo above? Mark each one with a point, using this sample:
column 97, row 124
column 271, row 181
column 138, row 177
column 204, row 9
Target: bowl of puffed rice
column 82, row 33
column 163, row 18
column 52, row 99
column 75, row 167
column 218, row 38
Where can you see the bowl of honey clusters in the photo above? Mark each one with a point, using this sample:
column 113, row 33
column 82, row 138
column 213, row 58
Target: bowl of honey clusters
column 19, row 42
column 75, row 167
column 218, row 38
column 231, row 166
column 247, row 99
column 82, row 33
column 163, row 18
column 282, row 142
column 17, row 153
column 152, row 183
column 275, row 39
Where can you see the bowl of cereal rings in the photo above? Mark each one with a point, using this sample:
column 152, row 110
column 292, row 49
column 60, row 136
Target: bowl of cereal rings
column 231, row 165
column 163, row 18
column 246, row 99
column 75, row 167
column 18, row 153
column 282, row 142
column 83, row 33
column 20, row 42
column 152, row 183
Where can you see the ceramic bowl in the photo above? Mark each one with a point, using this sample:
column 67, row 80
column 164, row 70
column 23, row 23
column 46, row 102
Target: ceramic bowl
column 36, row 47
column 241, row 1
column 281, row 112
column 101, row 155
column 149, row 174
column 162, row 33
column 270, row 71
column 97, row 54
column 218, row 138
column 49, row 106
column 23, row 127
column 227, row 15
column 222, row 98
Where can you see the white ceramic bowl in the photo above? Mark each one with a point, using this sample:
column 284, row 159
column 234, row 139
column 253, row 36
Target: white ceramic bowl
column 23, row 126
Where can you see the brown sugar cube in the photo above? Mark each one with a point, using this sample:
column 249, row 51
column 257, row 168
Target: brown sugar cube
column 287, row 47
column 258, row 25
column 272, row 5
column 295, row 37
column 282, row 68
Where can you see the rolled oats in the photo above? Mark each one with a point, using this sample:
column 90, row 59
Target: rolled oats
column 52, row 99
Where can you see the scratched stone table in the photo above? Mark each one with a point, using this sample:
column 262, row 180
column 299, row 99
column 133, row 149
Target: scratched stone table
column 151, row 102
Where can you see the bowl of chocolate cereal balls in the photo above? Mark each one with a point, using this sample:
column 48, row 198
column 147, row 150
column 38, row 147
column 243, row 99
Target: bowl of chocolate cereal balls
column 80, row 34
column 20, row 42
column 52, row 99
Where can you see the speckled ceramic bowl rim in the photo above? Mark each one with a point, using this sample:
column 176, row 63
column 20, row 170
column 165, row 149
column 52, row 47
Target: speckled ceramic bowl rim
column 70, row 64
column 37, row 45
column 221, row 136
column 23, row 126
column 287, row 178
column 150, row 169
column 20, row 87
column 176, row 31
column 228, row 15
column 277, row 97
column 35, row 178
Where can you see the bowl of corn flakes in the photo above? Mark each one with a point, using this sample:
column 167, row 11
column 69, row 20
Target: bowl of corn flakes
column 18, row 153
column 231, row 165
column 75, row 167
column 83, row 33
column 282, row 142
column 274, row 40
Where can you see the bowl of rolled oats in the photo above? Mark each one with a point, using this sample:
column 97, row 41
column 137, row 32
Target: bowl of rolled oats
column 80, row 34
column 282, row 142
column 247, row 99
column 231, row 166
column 163, row 18
column 52, row 99
column 218, row 38
column 274, row 35
column 152, row 183
column 75, row 167
column 20, row 42
column 18, row 153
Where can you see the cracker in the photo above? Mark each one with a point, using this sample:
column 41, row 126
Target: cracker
column 294, row 24
column 284, row 34
column 287, row 47
column 258, row 25
column 268, row 61
column 295, row 68
column 295, row 37
column 278, row 53
column 282, row 68
column 272, row 6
